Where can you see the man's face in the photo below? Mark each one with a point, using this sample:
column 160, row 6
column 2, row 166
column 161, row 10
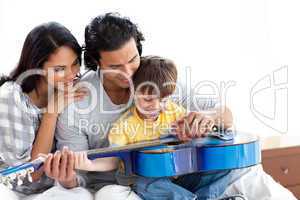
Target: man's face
column 123, row 63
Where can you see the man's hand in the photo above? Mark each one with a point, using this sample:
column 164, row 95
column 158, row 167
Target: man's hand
column 60, row 166
column 193, row 125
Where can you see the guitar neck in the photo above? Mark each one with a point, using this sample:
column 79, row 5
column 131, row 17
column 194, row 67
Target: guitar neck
column 130, row 147
column 92, row 154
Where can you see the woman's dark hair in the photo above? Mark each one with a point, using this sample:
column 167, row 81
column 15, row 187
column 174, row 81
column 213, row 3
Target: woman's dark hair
column 39, row 44
column 159, row 71
column 108, row 32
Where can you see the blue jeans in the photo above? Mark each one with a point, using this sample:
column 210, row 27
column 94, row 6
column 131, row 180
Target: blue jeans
column 200, row 186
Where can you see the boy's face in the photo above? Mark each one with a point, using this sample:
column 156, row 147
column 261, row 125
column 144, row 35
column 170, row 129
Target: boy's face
column 148, row 105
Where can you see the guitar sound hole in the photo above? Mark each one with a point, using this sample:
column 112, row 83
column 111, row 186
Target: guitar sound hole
column 175, row 143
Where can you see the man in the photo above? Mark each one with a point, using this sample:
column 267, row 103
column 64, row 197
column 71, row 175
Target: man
column 113, row 49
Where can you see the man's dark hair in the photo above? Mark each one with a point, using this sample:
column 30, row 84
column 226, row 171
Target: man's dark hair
column 108, row 32
column 159, row 71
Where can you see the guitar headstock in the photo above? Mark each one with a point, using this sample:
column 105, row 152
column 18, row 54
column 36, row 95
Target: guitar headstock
column 16, row 175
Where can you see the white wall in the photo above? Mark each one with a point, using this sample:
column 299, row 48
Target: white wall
column 240, row 41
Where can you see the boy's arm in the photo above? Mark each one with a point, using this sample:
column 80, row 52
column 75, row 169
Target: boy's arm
column 117, row 137
column 101, row 164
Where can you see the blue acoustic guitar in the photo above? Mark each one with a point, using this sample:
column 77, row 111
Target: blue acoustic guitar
column 168, row 156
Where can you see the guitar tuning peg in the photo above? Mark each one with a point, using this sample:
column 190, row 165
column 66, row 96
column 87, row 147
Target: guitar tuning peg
column 29, row 172
column 10, row 186
column 7, row 183
column 12, row 177
column 29, row 177
column 20, row 177
column 20, row 180
column 23, row 173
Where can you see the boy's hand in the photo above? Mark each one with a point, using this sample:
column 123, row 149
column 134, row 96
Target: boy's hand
column 193, row 125
column 82, row 162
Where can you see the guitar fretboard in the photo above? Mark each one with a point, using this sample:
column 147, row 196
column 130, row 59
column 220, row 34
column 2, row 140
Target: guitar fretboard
column 134, row 146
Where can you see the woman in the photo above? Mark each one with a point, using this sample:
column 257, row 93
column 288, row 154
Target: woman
column 32, row 97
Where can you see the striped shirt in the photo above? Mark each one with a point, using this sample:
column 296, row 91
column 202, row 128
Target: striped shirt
column 19, row 122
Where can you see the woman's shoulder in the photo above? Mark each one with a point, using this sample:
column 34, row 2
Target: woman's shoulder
column 10, row 90
column 11, row 95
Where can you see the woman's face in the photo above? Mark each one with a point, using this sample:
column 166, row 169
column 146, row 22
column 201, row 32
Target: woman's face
column 62, row 67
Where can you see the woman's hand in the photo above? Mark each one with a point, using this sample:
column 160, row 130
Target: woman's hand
column 60, row 99
column 193, row 125
column 60, row 166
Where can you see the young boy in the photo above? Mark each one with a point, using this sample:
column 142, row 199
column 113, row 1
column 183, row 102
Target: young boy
column 151, row 115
